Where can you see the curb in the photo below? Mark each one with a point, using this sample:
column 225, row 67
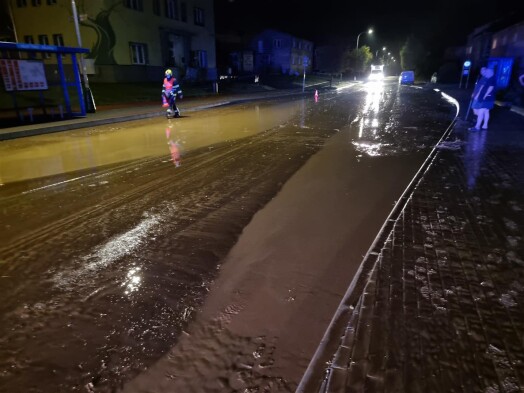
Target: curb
column 313, row 379
column 517, row 109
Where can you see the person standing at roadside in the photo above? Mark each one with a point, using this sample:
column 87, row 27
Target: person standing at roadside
column 483, row 98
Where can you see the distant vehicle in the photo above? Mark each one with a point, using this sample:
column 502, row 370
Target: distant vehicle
column 434, row 78
column 406, row 78
column 377, row 73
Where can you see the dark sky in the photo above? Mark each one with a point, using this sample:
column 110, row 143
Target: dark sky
column 439, row 23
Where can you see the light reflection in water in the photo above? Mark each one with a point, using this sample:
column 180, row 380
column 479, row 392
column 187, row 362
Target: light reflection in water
column 174, row 145
column 369, row 122
column 69, row 151
column 473, row 156
column 132, row 281
column 375, row 92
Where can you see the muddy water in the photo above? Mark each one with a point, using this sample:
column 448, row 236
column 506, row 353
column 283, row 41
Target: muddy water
column 66, row 152
column 282, row 281
column 104, row 267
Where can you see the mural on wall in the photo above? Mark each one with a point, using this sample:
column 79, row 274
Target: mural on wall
column 102, row 49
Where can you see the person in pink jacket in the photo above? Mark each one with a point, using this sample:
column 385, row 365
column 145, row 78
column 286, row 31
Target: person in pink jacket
column 170, row 91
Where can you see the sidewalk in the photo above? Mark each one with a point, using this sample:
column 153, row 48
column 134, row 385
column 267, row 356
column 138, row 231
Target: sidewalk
column 439, row 303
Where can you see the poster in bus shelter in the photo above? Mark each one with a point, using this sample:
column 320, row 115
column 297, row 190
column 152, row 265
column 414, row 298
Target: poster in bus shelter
column 23, row 75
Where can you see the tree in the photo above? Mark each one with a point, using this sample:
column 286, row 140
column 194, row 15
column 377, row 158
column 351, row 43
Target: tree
column 357, row 60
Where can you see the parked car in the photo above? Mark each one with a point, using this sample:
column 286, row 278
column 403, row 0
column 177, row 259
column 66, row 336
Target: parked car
column 406, row 78
column 434, row 78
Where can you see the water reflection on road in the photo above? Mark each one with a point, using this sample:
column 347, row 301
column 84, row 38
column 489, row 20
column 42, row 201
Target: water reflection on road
column 72, row 151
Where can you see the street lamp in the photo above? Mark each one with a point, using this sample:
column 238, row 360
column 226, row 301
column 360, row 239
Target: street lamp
column 369, row 31
column 376, row 52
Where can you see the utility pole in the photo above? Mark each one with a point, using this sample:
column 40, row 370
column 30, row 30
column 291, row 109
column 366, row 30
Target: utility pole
column 88, row 96
column 12, row 20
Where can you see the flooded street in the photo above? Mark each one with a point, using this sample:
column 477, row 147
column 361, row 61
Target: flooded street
column 202, row 254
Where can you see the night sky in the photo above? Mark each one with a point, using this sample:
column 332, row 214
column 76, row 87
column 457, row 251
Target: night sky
column 439, row 24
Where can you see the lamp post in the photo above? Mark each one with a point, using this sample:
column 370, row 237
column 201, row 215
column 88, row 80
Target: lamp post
column 369, row 31
column 88, row 96
column 376, row 52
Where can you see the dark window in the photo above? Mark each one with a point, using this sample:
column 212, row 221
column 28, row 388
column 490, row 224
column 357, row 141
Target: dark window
column 28, row 39
column 156, row 7
column 199, row 59
column 36, row 3
column 183, row 12
column 199, row 16
column 172, row 9
column 138, row 53
column 136, row 5
column 58, row 39
column 43, row 40
column 51, row 2
column 21, row 3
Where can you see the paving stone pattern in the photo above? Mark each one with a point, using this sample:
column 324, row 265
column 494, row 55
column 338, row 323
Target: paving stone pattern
column 443, row 310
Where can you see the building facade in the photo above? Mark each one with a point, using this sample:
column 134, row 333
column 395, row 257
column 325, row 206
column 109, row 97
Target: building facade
column 278, row 52
column 129, row 40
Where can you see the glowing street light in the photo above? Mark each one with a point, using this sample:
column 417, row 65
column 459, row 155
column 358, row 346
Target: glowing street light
column 370, row 31
column 376, row 52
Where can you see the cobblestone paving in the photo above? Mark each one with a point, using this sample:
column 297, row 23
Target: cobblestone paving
column 443, row 310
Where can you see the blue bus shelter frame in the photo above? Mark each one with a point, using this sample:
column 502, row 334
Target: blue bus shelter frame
column 58, row 51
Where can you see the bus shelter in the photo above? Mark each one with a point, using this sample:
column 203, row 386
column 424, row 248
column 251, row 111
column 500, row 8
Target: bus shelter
column 21, row 71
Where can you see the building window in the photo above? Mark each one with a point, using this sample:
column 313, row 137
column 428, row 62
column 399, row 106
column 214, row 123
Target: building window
column 260, row 46
column 300, row 45
column 200, row 58
column 28, row 39
column 494, row 43
column 294, row 44
column 293, row 60
column 156, row 7
column 172, row 9
column 183, row 12
column 277, row 43
column 51, row 2
column 199, row 16
column 300, row 60
column 136, row 5
column 138, row 53
column 21, row 3
column 58, row 39
column 469, row 49
column 36, row 3
column 43, row 40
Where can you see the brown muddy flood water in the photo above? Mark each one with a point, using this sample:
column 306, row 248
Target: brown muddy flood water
column 117, row 242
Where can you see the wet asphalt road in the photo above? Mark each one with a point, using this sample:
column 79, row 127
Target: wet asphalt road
column 112, row 237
